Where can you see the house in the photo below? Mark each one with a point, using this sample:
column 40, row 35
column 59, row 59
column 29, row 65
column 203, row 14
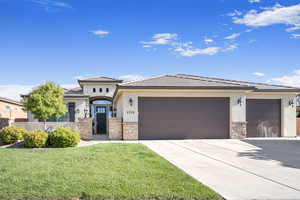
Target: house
column 12, row 110
column 184, row 107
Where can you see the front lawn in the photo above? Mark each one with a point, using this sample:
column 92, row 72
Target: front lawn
column 103, row 171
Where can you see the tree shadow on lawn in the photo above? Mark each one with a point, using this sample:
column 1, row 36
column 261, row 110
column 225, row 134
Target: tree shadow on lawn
column 287, row 152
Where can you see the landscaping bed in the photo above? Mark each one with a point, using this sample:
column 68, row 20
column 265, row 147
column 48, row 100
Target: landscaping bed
column 103, row 171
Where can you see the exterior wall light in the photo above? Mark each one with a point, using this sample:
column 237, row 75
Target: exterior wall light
column 86, row 112
column 240, row 101
column 130, row 101
column 291, row 102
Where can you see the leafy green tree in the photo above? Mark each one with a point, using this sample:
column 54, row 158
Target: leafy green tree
column 46, row 102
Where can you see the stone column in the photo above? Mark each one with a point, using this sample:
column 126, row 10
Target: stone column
column 115, row 128
column 85, row 128
column 130, row 131
column 238, row 130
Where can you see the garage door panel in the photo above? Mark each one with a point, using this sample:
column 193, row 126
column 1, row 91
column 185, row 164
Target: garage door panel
column 183, row 118
column 263, row 118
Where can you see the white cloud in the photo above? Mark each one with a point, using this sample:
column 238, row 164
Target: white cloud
column 14, row 91
column 289, row 15
column 186, row 49
column 189, row 51
column 260, row 74
column 232, row 36
column 231, row 47
column 161, row 39
column 50, row 3
column 291, row 80
column 253, row 1
column 208, row 40
column 101, row 33
column 294, row 28
column 296, row 36
column 234, row 13
column 131, row 77
column 251, row 41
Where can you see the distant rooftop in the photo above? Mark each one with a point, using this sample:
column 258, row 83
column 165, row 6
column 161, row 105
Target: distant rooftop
column 7, row 100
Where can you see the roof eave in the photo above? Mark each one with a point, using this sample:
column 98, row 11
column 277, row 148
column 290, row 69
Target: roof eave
column 76, row 96
column 99, row 81
column 11, row 102
column 187, row 87
column 65, row 96
column 277, row 90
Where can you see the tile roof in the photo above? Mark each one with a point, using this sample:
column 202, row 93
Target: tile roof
column 99, row 79
column 201, row 82
column 74, row 92
column 258, row 86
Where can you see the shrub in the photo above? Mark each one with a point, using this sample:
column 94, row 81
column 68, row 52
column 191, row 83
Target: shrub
column 11, row 134
column 64, row 137
column 35, row 139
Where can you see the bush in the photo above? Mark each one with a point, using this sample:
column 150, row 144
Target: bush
column 11, row 134
column 64, row 137
column 35, row 139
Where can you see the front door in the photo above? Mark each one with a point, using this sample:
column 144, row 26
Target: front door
column 101, row 115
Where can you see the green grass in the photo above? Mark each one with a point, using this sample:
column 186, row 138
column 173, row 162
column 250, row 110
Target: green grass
column 103, row 171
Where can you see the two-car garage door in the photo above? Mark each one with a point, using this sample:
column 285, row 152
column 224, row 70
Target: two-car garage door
column 183, row 118
column 196, row 118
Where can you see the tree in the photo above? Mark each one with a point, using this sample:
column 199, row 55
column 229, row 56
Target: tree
column 46, row 102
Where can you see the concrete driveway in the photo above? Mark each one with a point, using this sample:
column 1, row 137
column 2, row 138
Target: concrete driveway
column 238, row 169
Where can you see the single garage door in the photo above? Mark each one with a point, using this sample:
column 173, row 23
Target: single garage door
column 183, row 118
column 263, row 117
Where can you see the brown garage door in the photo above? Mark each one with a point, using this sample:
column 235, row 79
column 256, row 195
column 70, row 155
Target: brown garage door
column 263, row 117
column 183, row 118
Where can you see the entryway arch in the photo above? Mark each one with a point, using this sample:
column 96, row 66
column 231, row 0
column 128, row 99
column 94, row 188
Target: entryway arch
column 100, row 111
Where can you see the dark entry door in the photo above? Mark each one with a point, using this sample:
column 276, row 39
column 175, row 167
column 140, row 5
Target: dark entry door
column 101, row 115
column 263, row 117
column 183, row 118
column 71, row 108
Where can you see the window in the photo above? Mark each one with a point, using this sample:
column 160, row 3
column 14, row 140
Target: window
column 107, row 89
column 100, row 90
column 94, row 90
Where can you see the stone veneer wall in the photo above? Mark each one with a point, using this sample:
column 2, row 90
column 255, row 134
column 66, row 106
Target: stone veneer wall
column 4, row 122
column 84, row 126
column 130, row 131
column 238, row 130
column 115, row 128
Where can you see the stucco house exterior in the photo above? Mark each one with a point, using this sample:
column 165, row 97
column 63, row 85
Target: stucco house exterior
column 182, row 106
column 11, row 109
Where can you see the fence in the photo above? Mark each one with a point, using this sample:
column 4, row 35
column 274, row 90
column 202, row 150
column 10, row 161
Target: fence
column 83, row 126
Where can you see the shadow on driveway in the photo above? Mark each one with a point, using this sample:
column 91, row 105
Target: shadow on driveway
column 287, row 152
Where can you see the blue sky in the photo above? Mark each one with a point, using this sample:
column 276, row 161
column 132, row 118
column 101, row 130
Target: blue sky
column 59, row 40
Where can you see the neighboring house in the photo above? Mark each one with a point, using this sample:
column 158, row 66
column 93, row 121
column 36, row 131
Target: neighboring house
column 12, row 110
column 185, row 107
